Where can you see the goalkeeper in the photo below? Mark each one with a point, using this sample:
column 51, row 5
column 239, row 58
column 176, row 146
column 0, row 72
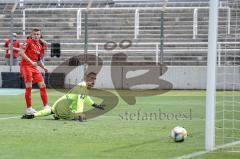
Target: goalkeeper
column 70, row 106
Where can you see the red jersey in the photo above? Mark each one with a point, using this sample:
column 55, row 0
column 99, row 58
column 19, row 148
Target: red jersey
column 16, row 44
column 34, row 50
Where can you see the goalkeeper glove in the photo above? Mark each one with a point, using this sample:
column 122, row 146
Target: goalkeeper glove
column 98, row 106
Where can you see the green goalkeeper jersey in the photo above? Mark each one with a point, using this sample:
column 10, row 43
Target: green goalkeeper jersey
column 73, row 102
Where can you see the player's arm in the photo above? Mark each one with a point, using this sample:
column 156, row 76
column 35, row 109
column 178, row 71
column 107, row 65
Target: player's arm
column 88, row 100
column 14, row 48
column 6, row 48
column 21, row 53
column 41, row 64
column 44, row 42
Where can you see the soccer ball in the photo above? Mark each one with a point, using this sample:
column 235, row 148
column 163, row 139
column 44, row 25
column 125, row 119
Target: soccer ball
column 179, row 134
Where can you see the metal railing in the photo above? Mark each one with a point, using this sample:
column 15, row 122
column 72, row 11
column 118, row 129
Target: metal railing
column 136, row 17
column 97, row 49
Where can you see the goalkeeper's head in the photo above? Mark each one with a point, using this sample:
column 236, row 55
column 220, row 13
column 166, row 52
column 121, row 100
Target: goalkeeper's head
column 90, row 79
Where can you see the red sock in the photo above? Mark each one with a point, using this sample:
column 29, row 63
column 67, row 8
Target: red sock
column 28, row 97
column 44, row 96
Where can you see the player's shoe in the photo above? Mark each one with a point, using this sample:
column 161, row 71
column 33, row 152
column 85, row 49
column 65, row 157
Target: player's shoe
column 47, row 107
column 28, row 116
column 30, row 111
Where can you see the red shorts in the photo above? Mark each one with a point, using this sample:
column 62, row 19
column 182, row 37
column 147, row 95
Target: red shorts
column 31, row 74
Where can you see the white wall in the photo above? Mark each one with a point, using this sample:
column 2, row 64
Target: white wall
column 187, row 77
column 182, row 77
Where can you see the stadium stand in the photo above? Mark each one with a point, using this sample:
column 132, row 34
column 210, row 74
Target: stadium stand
column 185, row 37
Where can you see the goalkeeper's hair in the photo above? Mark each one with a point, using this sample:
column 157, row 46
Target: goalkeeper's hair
column 91, row 74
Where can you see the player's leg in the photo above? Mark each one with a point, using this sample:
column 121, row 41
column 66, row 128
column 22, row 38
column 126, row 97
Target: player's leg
column 27, row 77
column 28, row 98
column 7, row 61
column 38, row 78
column 41, row 113
column 45, row 112
column 62, row 108
column 43, row 93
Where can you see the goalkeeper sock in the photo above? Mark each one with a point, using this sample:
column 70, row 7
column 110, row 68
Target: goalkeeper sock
column 43, row 93
column 44, row 112
column 28, row 97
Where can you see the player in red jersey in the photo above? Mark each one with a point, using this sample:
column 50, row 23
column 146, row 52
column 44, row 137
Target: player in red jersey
column 32, row 52
column 16, row 45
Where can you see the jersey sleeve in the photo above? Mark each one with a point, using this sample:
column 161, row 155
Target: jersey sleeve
column 88, row 100
column 25, row 45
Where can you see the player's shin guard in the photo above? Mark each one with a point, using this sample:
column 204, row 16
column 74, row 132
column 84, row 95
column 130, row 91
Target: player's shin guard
column 43, row 93
column 44, row 112
column 28, row 97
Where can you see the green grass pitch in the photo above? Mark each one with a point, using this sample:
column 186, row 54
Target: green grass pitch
column 117, row 134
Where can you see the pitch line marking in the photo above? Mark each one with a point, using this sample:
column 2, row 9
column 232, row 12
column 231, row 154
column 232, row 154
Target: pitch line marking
column 12, row 117
column 199, row 153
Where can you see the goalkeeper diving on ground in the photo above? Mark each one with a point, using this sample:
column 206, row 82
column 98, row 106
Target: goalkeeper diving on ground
column 70, row 106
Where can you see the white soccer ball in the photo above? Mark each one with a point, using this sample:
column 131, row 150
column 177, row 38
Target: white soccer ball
column 179, row 134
